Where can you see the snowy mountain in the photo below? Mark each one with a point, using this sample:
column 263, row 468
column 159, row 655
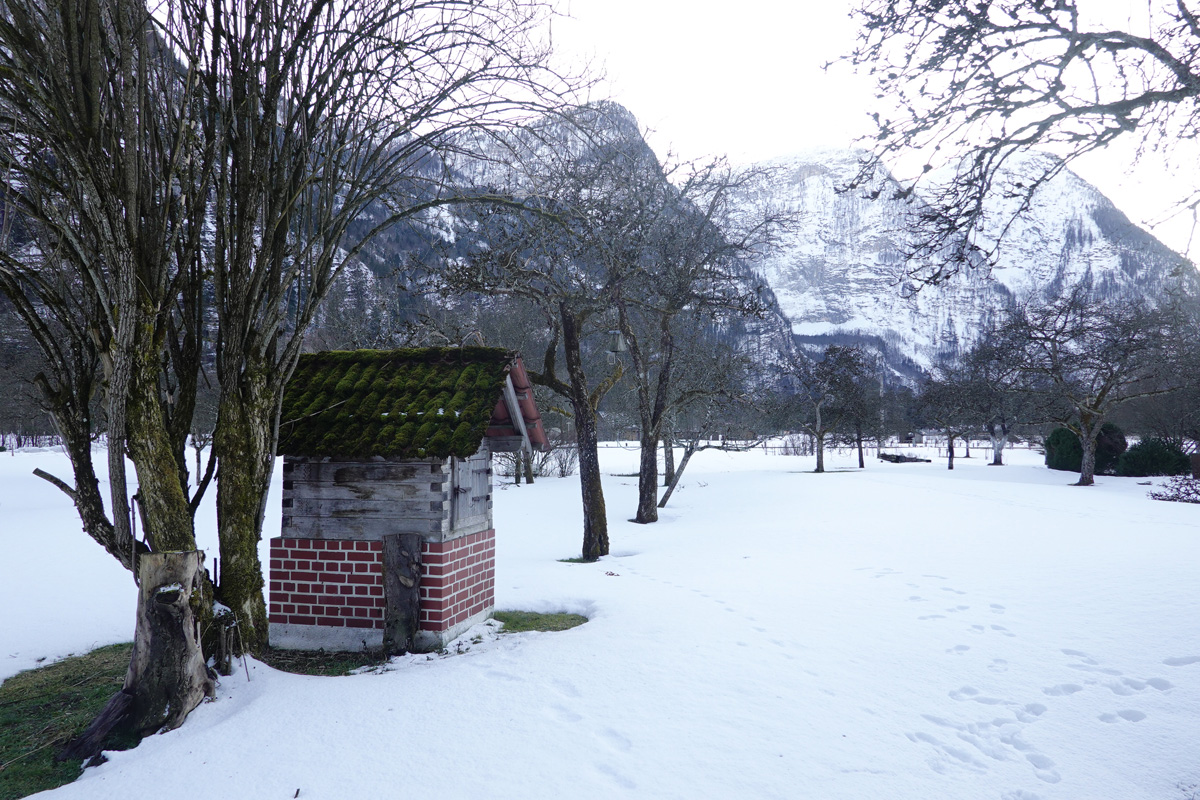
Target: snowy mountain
column 841, row 275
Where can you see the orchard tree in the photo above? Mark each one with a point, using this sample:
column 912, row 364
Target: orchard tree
column 550, row 230
column 821, row 395
column 999, row 398
column 948, row 399
column 1082, row 358
column 688, row 275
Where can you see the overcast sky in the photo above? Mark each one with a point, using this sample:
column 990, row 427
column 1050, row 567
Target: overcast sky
column 744, row 78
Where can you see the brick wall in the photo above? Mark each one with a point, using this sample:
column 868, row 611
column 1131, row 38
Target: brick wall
column 331, row 582
column 458, row 580
column 339, row 583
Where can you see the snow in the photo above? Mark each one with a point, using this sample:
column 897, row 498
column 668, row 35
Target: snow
column 902, row 632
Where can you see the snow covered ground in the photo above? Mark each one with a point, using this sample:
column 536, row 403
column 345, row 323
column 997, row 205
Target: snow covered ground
column 902, row 632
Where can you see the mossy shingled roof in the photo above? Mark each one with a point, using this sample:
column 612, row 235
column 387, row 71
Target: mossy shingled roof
column 414, row 403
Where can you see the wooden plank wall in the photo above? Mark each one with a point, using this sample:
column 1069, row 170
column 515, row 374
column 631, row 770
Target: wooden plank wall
column 364, row 501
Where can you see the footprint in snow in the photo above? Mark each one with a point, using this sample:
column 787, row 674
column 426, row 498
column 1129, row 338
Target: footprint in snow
column 616, row 740
column 1129, row 715
column 1181, row 661
column 1062, row 690
column 1125, row 687
column 1082, row 656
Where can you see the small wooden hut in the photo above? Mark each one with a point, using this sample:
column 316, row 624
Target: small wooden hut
column 387, row 536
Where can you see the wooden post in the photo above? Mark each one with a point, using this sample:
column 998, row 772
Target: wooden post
column 401, row 591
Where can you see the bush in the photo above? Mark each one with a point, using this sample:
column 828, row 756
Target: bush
column 1064, row 452
column 1153, row 457
column 1180, row 489
column 1110, row 445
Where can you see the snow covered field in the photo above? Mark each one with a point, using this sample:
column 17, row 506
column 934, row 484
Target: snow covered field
column 903, row 632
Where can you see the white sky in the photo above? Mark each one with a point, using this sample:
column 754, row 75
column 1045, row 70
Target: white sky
column 744, row 78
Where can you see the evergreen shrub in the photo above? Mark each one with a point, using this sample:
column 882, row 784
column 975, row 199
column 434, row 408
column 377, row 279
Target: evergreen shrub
column 1153, row 457
column 1064, row 452
column 1110, row 445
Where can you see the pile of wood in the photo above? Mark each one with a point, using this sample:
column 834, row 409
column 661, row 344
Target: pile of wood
column 901, row 459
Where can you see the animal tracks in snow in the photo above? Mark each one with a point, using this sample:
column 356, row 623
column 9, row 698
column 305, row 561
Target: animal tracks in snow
column 968, row 745
column 992, row 728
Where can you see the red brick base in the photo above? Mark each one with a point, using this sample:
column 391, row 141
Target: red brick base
column 338, row 583
column 458, row 580
column 335, row 583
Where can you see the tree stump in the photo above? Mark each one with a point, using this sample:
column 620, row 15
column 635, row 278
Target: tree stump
column 401, row 591
column 167, row 677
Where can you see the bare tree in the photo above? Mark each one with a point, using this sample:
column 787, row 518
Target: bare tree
column 554, row 245
column 981, row 82
column 822, row 394
column 1082, row 358
column 102, row 203
column 948, row 400
column 688, row 274
column 322, row 113
column 999, row 399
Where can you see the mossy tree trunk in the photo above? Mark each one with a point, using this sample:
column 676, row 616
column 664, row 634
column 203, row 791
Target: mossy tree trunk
column 163, row 499
column 244, row 442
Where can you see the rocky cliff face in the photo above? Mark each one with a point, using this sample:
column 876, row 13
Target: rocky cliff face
column 841, row 275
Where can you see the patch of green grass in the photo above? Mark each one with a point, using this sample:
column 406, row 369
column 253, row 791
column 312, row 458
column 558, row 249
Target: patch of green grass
column 319, row 662
column 43, row 709
column 522, row 621
column 575, row 560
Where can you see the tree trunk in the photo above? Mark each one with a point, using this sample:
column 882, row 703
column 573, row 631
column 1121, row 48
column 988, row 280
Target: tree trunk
column 688, row 450
column 998, row 443
column 167, row 677
column 647, row 509
column 950, row 450
column 820, row 447
column 527, row 460
column 1088, row 430
column 595, row 519
column 858, row 439
column 668, row 459
column 245, row 445
column 164, row 501
column 401, row 591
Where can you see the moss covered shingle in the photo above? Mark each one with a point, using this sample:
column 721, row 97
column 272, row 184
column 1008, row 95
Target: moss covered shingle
column 415, row 403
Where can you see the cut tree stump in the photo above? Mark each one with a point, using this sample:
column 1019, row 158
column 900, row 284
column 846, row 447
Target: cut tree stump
column 401, row 591
column 167, row 677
